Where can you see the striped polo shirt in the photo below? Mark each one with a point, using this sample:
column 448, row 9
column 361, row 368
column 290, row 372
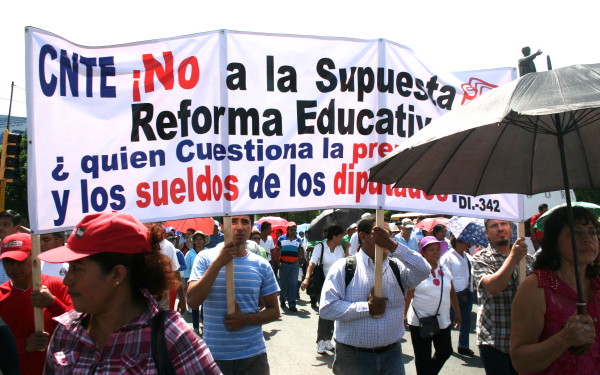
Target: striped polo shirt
column 289, row 248
column 254, row 278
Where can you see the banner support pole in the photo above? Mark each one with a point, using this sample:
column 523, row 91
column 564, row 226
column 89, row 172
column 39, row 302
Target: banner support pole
column 36, row 276
column 378, row 287
column 229, row 275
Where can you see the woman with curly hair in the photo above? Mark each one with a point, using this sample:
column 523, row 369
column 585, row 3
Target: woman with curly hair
column 547, row 335
column 115, row 270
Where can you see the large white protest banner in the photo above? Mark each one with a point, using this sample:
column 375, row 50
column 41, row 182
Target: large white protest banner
column 223, row 122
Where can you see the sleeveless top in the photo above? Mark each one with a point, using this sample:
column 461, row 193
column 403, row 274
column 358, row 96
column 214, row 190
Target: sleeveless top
column 560, row 305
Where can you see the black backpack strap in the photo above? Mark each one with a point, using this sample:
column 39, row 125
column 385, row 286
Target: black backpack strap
column 160, row 353
column 350, row 268
column 396, row 269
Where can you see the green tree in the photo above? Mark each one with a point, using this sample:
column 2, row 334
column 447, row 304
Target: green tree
column 16, row 191
column 588, row 195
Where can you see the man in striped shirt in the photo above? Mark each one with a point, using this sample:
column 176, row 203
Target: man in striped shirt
column 235, row 340
column 290, row 250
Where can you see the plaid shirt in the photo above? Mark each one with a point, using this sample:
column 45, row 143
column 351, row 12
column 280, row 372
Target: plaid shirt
column 127, row 350
column 493, row 316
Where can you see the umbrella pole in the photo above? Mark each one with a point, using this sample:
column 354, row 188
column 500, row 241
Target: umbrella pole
column 229, row 278
column 522, row 270
column 581, row 310
column 378, row 287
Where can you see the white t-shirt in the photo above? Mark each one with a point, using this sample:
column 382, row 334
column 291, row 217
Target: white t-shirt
column 328, row 257
column 55, row 269
column 169, row 250
column 459, row 268
column 267, row 245
column 427, row 298
column 353, row 243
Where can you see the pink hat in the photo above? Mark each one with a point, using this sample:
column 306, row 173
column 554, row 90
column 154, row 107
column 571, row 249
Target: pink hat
column 108, row 232
column 429, row 240
column 291, row 224
column 16, row 246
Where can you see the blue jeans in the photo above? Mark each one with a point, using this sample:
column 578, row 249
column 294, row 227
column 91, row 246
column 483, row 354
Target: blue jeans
column 258, row 365
column 465, row 303
column 288, row 282
column 496, row 362
column 351, row 361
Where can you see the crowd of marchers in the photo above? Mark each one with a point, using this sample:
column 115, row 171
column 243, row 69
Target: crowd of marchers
column 113, row 296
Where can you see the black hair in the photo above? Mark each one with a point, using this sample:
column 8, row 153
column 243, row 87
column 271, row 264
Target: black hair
column 366, row 225
column 13, row 215
column 148, row 270
column 333, row 231
column 59, row 235
column 438, row 228
column 542, row 206
column 549, row 256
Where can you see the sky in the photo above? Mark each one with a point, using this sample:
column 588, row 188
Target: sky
column 447, row 35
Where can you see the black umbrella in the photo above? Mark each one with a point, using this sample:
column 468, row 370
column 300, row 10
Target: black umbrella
column 344, row 217
column 512, row 139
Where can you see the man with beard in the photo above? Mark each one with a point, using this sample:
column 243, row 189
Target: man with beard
column 495, row 271
column 235, row 340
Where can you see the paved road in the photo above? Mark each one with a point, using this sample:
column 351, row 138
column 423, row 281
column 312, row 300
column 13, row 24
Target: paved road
column 292, row 350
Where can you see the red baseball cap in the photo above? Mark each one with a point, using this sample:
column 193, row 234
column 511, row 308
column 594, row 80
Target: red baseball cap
column 108, row 232
column 16, row 246
column 291, row 224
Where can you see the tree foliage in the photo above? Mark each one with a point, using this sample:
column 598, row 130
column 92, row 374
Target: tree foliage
column 16, row 191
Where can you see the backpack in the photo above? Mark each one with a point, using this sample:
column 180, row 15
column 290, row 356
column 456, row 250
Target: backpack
column 351, row 269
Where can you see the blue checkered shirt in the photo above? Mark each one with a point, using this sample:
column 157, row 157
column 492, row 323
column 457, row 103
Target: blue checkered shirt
column 349, row 307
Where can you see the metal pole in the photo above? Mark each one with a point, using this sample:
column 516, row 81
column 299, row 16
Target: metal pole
column 12, row 86
column 563, row 160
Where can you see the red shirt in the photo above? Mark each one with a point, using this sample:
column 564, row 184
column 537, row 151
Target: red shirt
column 17, row 312
column 560, row 305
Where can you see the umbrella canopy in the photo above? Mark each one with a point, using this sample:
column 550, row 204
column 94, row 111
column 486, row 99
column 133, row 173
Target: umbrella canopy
column 472, row 230
column 539, row 224
column 430, row 222
column 343, row 217
column 204, row 224
column 274, row 220
column 511, row 139
column 507, row 140
column 468, row 229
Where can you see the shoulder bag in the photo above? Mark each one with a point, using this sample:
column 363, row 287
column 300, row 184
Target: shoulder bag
column 317, row 277
column 428, row 325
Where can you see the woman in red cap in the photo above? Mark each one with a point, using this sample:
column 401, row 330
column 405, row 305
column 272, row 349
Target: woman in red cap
column 115, row 269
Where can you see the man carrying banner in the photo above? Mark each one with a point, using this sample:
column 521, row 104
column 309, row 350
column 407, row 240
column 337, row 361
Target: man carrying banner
column 495, row 273
column 17, row 300
column 290, row 249
column 235, row 340
column 365, row 344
